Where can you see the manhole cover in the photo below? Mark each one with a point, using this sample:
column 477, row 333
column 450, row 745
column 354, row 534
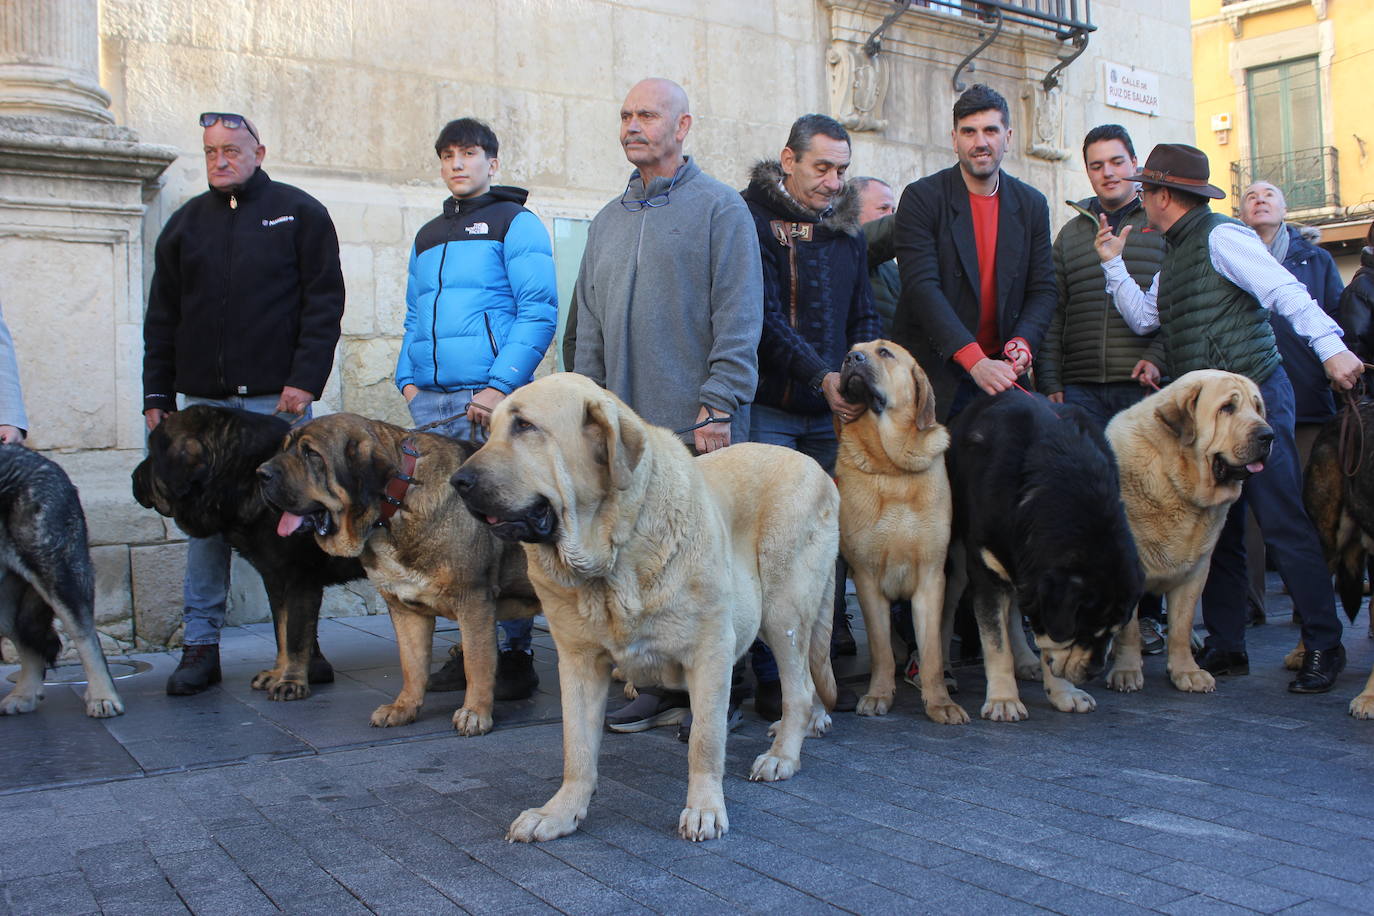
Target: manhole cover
column 73, row 673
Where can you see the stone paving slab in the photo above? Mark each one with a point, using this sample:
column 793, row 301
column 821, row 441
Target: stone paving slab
column 1247, row 800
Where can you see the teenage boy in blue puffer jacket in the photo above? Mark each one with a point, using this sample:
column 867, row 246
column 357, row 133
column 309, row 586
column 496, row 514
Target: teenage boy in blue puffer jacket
column 481, row 306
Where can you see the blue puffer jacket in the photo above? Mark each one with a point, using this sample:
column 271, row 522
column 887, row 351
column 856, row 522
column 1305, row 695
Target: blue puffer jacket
column 481, row 302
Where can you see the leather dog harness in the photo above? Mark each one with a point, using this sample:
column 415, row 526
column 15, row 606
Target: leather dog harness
column 394, row 494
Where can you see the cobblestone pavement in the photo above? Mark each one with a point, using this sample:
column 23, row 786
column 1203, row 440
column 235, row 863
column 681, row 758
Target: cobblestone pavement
column 1249, row 799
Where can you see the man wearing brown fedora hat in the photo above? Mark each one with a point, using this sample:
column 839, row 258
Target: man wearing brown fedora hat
column 1211, row 302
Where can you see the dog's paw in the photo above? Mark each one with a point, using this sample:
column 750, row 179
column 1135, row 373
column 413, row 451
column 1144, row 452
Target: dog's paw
column 100, row 707
column 16, row 704
column 874, row 704
column 1362, row 707
column 1293, row 660
column 1028, row 671
column 1072, row 700
column 1126, row 680
column 470, row 722
column 535, row 825
column 818, row 725
column 946, row 712
column 393, row 714
column 284, row 690
column 697, row 824
column 266, row 679
column 769, row 768
column 1194, row 680
column 1009, row 709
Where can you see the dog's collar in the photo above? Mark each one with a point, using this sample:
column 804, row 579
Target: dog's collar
column 394, row 494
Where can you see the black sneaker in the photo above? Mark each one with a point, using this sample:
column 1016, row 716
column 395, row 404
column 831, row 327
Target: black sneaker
column 199, row 668
column 733, row 718
column 451, row 676
column 842, row 638
column 1319, row 670
column 515, row 675
column 649, row 710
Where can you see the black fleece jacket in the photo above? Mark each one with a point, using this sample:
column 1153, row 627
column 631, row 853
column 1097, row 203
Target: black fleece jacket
column 247, row 296
column 817, row 301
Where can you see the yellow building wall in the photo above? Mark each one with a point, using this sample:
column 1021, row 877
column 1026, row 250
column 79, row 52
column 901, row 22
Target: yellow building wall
column 1346, row 78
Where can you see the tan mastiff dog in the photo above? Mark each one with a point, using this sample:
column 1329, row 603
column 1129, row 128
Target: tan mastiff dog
column 895, row 514
column 336, row 477
column 665, row 565
column 1183, row 454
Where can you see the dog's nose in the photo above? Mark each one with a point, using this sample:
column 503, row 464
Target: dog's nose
column 265, row 473
column 854, row 357
column 463, row 480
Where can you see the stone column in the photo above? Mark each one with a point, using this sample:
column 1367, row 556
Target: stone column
column 49, row 58
column 72, row 191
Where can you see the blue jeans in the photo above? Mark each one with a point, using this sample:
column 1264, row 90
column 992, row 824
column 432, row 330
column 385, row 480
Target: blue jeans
column 810, row 434
column 206, row 586
column 1275, row 496
column 1104, row 401
column 430, row 406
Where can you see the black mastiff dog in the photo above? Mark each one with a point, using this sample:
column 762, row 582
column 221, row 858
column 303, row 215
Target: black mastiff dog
column 45, row 570
column 1038, row 515
column 201, row 472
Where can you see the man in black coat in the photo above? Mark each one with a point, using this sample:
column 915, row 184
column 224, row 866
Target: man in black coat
column 244, row 311
column 973, row 247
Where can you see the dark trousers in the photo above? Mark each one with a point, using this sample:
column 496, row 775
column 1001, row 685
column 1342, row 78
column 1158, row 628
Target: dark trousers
column 1275, row 496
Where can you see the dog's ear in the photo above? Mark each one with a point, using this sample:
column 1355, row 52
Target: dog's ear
column 187, row 466
column 925, row 398
column 365, row 471
column 1179, row 414
column 1061, row 597
column 622, row 439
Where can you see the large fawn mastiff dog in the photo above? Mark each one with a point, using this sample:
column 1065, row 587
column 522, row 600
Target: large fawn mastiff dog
column 665, row 565
column 895, row 516
column 1183, row 454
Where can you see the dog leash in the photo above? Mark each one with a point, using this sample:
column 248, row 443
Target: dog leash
column 1350, row 442
column 711, row 417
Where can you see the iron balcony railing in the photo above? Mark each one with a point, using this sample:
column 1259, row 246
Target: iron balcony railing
column 1308, row 178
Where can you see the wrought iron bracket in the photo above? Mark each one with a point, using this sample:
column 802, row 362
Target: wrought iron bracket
column 875, row 41
column 1080, row 44
column 967, row 62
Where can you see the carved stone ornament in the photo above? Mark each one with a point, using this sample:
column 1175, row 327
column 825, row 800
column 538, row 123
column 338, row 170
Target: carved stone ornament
column 858, row 86
column 1045, row 117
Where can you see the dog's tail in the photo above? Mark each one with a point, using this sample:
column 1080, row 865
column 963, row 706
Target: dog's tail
column 818, row 656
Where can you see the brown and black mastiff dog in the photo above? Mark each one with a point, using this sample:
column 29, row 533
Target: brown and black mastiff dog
column 665, row 565
column 336, row 476
column 201, row 472
column 895, row 516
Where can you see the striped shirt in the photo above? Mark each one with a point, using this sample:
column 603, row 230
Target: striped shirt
column 1238, row 255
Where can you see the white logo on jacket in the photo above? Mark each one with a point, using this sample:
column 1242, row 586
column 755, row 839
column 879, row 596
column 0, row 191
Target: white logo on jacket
column 278, row 221
column 478, row 229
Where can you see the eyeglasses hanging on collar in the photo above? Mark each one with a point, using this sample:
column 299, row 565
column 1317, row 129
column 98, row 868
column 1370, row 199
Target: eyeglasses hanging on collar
column 634, row 205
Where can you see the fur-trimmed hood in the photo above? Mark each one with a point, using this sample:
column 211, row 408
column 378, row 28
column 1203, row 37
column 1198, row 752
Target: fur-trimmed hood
column 765, row 188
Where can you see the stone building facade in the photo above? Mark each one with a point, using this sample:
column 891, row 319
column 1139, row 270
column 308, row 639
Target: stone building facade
column 348, row 96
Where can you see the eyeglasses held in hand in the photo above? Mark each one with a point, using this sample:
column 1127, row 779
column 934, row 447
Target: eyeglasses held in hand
column 231, row 121
column 634, row 205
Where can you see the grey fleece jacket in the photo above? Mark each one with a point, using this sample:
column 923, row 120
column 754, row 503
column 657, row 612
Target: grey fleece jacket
column 670, row 302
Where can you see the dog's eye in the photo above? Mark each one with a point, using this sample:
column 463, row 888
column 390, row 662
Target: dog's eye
column 884, row 352
column 1228, row 407
column 521, row 425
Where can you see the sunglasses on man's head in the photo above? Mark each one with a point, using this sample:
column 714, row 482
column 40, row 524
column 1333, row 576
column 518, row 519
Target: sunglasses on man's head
column 231, row 121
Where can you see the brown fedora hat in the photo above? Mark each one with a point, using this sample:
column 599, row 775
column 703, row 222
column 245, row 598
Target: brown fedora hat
column 1181, row 167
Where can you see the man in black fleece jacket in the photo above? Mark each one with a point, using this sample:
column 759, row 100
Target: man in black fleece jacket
column 244, row 312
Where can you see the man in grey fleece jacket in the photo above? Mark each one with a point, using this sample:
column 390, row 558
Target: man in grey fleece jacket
column 668, row 310
column 669, row 300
